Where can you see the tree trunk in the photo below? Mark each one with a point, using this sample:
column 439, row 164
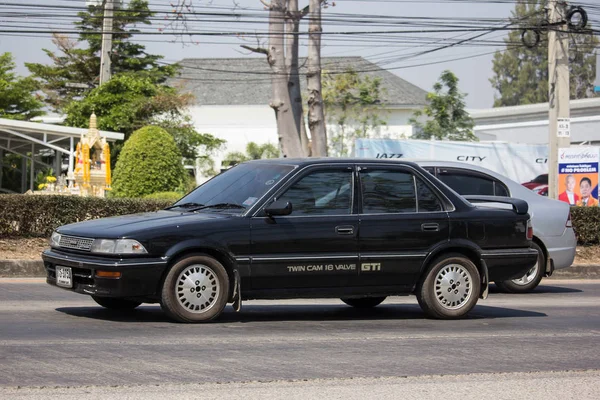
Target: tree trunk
column 316, row 118
column 289, row 137
column 292, row 29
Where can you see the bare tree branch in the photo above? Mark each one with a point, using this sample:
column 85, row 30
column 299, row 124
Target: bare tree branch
column 261, row 50
column 266, row 4
column 304, row 12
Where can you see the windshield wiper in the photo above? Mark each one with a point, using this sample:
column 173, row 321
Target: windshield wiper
column 185, row 205
column 218, row 205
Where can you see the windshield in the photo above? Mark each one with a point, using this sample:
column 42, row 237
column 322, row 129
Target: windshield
column 242, row 185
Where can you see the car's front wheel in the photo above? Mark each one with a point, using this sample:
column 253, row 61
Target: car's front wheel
column 113, row 303
column 530, row 280
column 196, row 289
column 450, row 288
column 364, row 302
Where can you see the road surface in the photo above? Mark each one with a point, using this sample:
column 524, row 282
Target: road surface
column 53, row 340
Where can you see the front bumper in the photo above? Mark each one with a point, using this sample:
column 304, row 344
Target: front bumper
column 140, row 277
column 561, row 249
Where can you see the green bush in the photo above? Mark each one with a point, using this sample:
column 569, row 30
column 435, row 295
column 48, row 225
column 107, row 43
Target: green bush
column 586, row 222
column 26, row 215
column 150, row 162
column 171, row 197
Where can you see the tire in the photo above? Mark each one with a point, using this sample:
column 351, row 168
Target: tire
column 528, row 282
column 364, row 302
column 184, row 302
column 450, row 287
column 113, row 303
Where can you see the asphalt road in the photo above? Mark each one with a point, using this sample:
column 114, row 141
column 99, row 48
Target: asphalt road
column 50, row 337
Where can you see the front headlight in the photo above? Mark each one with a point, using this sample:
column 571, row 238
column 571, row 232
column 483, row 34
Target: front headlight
column 103, row 246
column 129, row 246
column 121, row 246
column 55, row 239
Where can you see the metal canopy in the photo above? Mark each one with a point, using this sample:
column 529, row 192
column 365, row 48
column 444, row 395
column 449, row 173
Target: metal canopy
column 32, row 139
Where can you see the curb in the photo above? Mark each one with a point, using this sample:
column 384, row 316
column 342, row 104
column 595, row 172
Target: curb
column 22, row 269
column 577, row 272
column 35, row 269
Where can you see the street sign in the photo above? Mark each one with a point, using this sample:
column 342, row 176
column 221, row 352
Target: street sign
column 564, row 127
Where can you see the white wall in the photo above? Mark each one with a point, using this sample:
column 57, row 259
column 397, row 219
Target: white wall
column 239, row 125
column 398, row 126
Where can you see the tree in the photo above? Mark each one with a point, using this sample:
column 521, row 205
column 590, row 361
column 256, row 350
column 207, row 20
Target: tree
column 282, row 56
column 446, row 115
column 124, row 104
column 289, row 137
column 353, row 108
column 521, row 73
column 294, row 16
column 128, row 102
column 316, row 115
column 194, row 146
column 150, row 162
column 18, row 98
column 253, row 152
column 74, row 65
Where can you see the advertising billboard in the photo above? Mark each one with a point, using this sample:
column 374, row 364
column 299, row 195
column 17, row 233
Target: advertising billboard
column 578, row 175
column 518, row 161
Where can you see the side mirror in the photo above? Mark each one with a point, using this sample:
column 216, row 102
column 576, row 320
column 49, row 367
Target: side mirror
column 279, row 208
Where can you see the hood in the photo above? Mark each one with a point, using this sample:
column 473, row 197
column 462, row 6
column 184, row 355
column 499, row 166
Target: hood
column 126, row 225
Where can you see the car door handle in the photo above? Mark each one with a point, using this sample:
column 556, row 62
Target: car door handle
column 430, row 227
column 344, row 230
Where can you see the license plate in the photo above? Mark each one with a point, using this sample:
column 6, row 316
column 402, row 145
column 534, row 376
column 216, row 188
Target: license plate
column 64, row 277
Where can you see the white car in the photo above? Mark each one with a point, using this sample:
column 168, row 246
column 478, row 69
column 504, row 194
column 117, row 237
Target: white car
column 554, row 238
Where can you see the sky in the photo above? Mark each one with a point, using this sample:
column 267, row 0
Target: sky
column 473, row 72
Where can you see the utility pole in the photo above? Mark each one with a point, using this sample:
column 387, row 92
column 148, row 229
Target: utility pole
column 107, row 28
column 558, row 89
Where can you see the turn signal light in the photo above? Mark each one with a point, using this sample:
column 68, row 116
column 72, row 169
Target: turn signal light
column 108, row 274
column 529, row 230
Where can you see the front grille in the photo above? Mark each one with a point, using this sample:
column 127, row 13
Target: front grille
column 76, row 243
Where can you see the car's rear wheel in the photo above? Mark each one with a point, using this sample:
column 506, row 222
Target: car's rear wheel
column 364, row 302
column 450, row 288
column 113, row 303
column 196, row 289
column 530, row 280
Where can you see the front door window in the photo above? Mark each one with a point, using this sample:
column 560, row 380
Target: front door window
column 321, row 193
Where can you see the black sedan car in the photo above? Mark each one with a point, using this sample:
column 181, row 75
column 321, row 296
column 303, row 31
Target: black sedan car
column 357, row 230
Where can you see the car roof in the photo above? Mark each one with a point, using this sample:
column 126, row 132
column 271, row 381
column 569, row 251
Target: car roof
column 301, row 162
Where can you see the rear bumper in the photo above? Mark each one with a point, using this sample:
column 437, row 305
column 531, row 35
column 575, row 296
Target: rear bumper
column 139, row 277
column 508, row 264
column 561, row 249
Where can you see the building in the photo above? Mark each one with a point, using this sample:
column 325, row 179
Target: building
column 529, row 123
column 232, row 97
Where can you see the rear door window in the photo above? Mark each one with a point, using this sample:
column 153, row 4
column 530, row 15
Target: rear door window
column 389, row 191
column 471, row 183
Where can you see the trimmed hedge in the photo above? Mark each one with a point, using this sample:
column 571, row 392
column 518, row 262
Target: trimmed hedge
column 27, row 215
column 164, row 196
column 586, row 222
